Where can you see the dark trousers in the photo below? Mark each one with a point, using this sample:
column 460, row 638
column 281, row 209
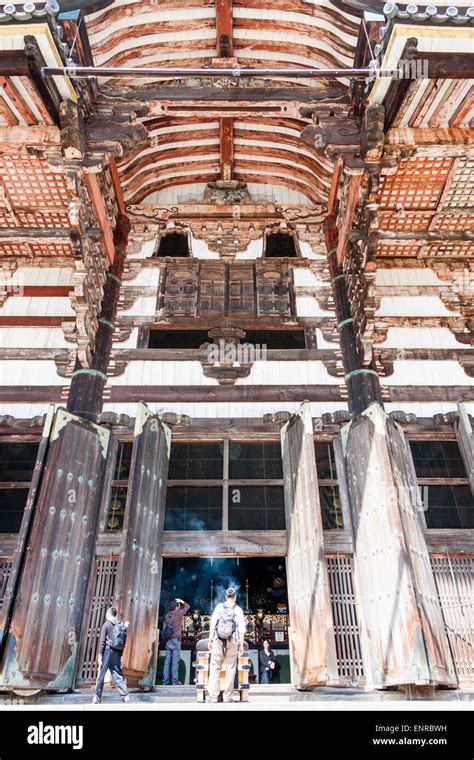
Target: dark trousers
column 112, row 660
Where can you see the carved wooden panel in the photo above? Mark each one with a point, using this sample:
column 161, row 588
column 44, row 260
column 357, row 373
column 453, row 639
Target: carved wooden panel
column 274, row 289
column 212, row 288
column 180, row 288
column 241, row 289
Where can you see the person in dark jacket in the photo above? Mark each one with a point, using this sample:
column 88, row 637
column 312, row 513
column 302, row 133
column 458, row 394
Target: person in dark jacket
column 268, row 664
column 110, row 658
column 174, row 619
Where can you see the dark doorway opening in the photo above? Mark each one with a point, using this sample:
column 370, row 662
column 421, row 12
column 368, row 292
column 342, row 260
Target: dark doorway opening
column 262, row 593
column 280, row 245
column 175, row 244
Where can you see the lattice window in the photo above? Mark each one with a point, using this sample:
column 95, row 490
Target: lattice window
column 104, row 584
column 242, row 289
column 31, row 184
column 453, row 576
column 212, row 289
column 416, row 185
column 461, row 191
column 273, row 289
column 346, row 623
column 5, row 568
column 180, row 290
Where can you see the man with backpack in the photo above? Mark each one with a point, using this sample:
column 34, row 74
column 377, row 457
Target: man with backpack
column 113, row 637
column 226, row 641
column 172, row 631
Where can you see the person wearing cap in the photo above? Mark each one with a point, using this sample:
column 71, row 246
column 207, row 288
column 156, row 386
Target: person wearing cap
column 174, row 619
column 226, row 641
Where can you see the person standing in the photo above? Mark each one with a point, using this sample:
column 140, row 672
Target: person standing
column 268, row 663
column 226, row 641
column 113, row 637
column 173, row 622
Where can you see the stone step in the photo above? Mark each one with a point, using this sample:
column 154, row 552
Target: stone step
column 273, row 694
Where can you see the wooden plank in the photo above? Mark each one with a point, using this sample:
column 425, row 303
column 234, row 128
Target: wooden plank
column 242, row 393
column 139, row 568
column 24, row 532
column 41, row 647
column 224, row 28
column 100, row 210
column 404, row 640
column 465, row 437
column 226, row 149
column 312, row 645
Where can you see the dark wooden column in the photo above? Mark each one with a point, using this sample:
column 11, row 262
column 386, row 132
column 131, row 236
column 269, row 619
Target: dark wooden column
column 362, row 383
column 312, row 641
column 139, row 567
column 87, row 385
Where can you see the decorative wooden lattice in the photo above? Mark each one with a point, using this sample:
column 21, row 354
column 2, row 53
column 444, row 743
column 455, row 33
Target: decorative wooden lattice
column 461, row 189
column 405, row 220
column 416, row 185
column 455, row 222
column 453, row 577
column 346, row 624
column 31, row 184
column 5, row 567
column 104, row 583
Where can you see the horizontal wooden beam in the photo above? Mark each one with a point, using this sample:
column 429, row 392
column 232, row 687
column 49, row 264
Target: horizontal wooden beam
column 42, row 235
column 277, row 394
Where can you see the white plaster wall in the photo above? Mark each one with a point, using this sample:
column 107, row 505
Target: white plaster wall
column 421, row 337
column 37, row 307
column 33, row 337
column 413, row 306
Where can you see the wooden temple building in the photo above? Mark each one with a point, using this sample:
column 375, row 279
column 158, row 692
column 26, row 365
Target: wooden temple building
column 237, row 321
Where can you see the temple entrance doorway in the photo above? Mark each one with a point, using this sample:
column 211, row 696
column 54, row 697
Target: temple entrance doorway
column 262, row 593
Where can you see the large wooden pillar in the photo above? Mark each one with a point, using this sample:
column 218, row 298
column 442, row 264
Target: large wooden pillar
column 51, row 576
column 312, row 643
column 88, row 383
column 465, row 438
column 140, row 563
column 402, row 629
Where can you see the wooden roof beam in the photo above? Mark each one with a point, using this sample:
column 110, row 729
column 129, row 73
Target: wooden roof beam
column 227, row 149
column 224, row 28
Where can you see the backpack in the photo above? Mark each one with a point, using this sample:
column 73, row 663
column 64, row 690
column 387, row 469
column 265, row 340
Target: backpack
column 226, row 624
column 167, row 631
column 118, row 636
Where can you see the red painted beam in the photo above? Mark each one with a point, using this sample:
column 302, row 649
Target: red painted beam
column 224, row 28
column 227, row 148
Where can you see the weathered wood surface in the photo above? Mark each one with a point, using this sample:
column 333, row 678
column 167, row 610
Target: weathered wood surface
column 403, row 633
column 241, row 393
column 42, row 640
column 465, row 438
column 312, row 643
column 137, row 590
column 23, row 535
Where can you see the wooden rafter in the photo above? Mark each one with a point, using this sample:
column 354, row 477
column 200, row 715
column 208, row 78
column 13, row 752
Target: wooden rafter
column 224, row 28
